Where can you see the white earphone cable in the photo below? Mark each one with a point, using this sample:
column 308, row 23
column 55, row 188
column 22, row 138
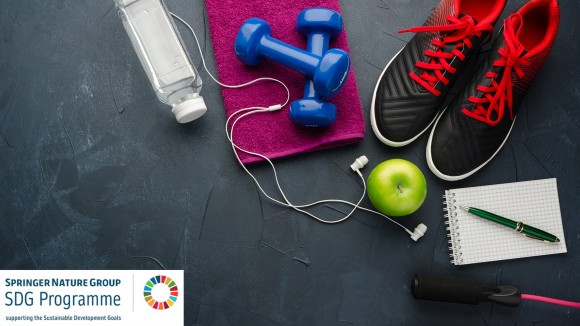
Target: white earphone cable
column 253, row 110
column 215, row 79
column 287, row 203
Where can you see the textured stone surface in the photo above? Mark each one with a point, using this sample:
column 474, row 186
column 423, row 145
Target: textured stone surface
column 96, row 174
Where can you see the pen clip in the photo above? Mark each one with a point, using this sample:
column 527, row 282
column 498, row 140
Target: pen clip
column 534, row 237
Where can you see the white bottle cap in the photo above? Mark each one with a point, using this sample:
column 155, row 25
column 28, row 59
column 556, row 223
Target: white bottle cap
column 189, row 109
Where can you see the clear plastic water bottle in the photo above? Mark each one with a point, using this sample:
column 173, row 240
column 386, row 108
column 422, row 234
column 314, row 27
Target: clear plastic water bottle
column 163, row 56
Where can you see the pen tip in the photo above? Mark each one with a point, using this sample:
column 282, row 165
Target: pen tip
column 465, row 208
column 557, row 240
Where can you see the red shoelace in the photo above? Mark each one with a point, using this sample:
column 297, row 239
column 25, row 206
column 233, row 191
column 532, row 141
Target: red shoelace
column 459, row 30
column 497, row 94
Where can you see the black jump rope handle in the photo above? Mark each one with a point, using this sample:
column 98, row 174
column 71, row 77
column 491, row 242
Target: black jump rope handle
column 463, row 290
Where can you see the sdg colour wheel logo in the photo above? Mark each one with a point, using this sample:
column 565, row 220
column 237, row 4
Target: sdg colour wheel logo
column 160, row 292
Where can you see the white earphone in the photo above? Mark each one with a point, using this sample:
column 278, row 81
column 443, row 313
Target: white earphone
column 358, row 164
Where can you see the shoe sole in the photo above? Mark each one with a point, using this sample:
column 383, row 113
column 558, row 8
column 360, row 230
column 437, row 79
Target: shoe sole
column 374, row 122
column 463, row 176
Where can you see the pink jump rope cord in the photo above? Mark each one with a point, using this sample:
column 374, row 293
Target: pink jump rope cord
column 551, row 300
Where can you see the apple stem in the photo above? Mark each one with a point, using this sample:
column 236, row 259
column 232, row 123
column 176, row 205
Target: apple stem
column 400, row 190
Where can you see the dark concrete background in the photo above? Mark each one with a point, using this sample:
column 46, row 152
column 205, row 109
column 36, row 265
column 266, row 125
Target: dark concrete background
column 96, row 174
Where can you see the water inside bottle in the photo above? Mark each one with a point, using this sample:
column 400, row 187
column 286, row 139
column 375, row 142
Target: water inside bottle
column 163, row 58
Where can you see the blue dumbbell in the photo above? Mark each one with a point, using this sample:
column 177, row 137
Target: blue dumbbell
column 319, row 25
column 328, row 72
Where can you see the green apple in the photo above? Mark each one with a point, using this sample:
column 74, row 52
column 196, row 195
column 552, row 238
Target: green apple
column 397, row 187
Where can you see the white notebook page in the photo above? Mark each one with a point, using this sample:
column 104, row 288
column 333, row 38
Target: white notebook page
column 533, row 203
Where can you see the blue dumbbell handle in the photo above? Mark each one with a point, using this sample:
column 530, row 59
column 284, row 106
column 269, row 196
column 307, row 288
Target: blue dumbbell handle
column 289, row 55
column 317, row 44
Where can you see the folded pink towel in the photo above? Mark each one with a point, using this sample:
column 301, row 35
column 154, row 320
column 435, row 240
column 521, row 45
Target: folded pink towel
column 273, row 134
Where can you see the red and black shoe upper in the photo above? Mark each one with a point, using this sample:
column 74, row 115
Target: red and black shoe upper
column 478, row 122
column 412, row 87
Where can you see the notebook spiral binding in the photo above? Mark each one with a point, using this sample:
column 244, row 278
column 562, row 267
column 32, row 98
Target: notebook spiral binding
column 450, row 210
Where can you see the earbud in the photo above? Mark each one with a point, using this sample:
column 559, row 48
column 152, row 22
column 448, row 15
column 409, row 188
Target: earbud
column 419, row 231
column 359, row 163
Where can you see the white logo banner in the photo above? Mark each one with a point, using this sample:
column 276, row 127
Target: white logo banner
column 79, row 297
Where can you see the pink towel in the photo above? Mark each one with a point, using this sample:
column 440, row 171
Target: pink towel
column 273, row 134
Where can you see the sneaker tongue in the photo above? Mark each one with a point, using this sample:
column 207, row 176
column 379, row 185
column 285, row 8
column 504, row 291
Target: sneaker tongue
column 516, row 27
column 449, row 46
column 461, row 15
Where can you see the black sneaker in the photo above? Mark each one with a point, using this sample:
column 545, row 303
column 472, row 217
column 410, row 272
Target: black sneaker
column 474, row 127
column 414, row 83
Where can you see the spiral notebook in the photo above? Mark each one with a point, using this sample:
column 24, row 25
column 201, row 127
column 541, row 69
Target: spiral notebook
column 476, row 240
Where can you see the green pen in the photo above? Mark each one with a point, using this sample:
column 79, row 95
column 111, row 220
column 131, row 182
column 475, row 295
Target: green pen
column 528, row 231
